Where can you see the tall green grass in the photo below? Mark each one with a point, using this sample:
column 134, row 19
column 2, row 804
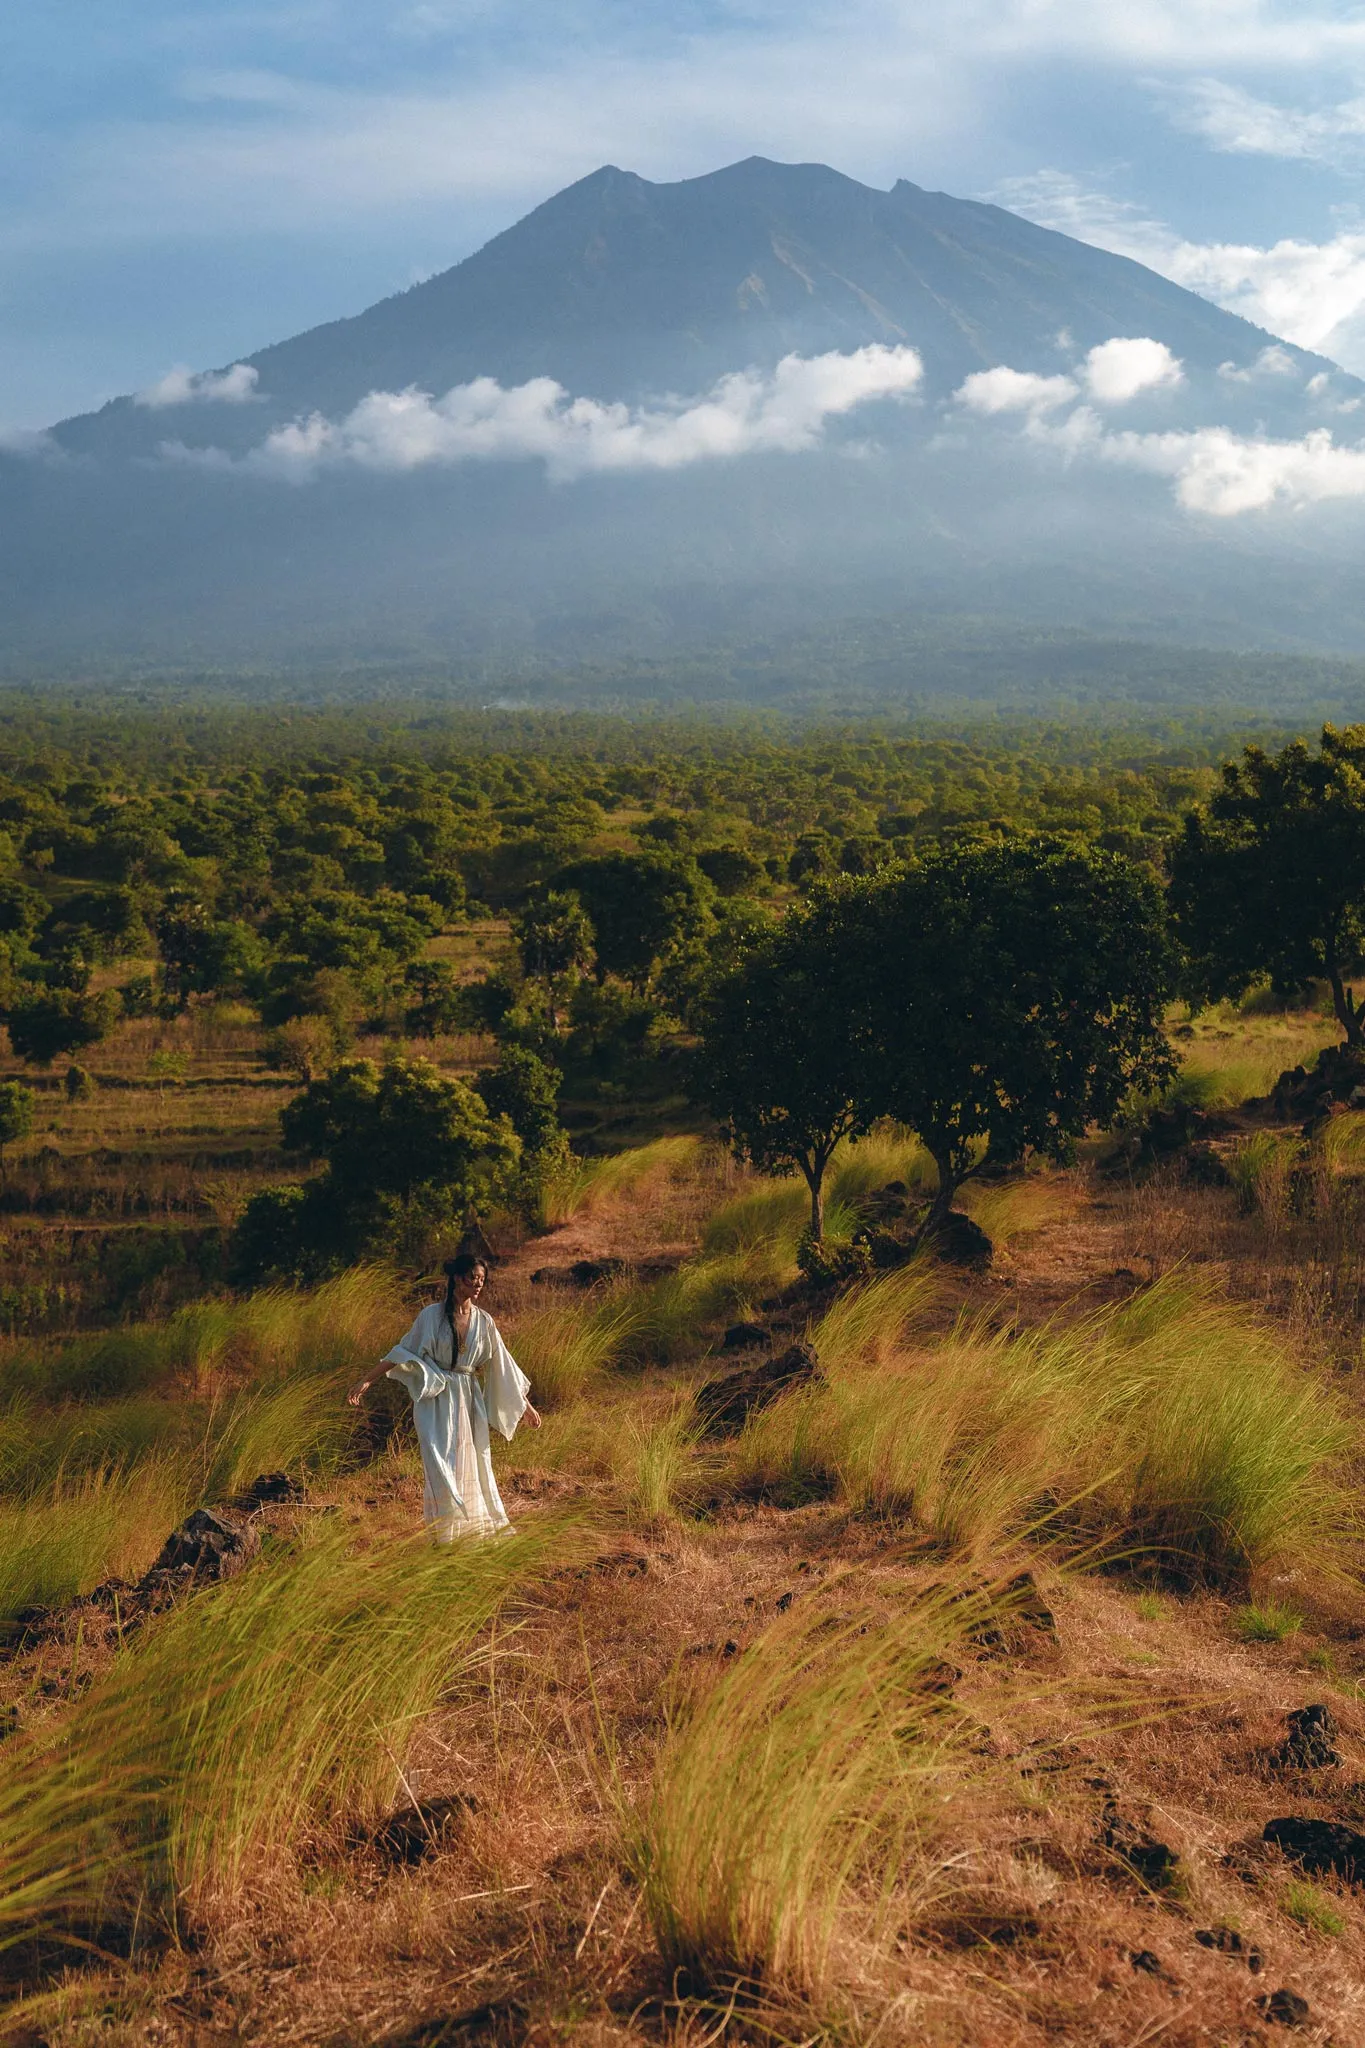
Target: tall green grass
column 252, row 1715
column 808, row 1795
column 58, row 1545
column 592, row 1184
column 1175, row 1424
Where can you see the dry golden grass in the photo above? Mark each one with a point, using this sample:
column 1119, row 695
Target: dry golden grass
column 653, row 1788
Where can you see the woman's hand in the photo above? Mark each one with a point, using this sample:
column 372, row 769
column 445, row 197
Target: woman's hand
column 358, row 1392
column 531, row 1415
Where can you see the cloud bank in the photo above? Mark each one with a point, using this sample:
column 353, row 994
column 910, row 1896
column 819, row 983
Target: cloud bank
column 749, row 412
column 1312, row 293
column 180, row 386
column 1213, row 470
column 1113, row 373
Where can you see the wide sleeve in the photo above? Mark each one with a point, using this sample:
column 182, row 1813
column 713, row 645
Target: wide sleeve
column 506, row 1388
column 410, row 1362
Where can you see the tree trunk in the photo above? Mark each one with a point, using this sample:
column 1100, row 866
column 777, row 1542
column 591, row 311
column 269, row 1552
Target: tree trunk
column 815, row 1181
column 1348, row 1012
column 943, row 1194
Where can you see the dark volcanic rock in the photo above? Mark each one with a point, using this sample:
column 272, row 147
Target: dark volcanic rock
column 1228, row 1942
column 268, row 1490
column 1319, row 1845
column 416, row 1832
column 961, row 1241
column 1310, row 1744
column 746, row 1337
column 582, row 1273
column 1154, row 1862
column 724, row 1404
column 1284, row 2007
column 206, row 1545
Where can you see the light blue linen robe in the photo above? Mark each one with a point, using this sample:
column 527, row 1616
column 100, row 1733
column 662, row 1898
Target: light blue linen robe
column 453, row 1402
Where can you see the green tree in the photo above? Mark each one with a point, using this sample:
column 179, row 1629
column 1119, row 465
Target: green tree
column 1268, row 878
column 1001, row 998
column 46, row 1023
column 406, row 1151
column 641, row 905
column 525, row 1089
column 17, row 1107
column 555, row 939
column 778, row 1064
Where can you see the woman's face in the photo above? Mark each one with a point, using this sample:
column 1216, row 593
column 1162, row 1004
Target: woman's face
column 468, row 1287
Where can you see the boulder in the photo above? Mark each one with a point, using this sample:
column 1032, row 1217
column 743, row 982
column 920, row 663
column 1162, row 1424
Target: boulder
column 206, row 1546
column 1284, row 2007
column 746, row 1337
column 725, row 1404
column 961, row 1242
column 269, row 1490
column 1228, row 1942
column 1155, row 1863
column 1310, row 1743
column 1321, row 1847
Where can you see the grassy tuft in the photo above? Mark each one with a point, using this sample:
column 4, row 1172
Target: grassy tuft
column 1312, row 1909
column 1267, row 1622
column 807, row 1795
column 1175, row 1425
column 284, row 1698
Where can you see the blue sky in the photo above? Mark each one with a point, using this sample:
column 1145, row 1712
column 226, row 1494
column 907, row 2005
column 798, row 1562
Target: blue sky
column 184, row 183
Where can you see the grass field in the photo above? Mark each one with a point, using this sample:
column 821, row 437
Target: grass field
column 849, row 1727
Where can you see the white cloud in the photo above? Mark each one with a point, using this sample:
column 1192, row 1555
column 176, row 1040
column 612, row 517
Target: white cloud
column 1273, row 362
column 1118, row 370
column 1311, row 293
column 1113, row 372
column 1003, row 390
column 1234, row 121
column 746, row 413
column 180, row 386
column 1224, row 474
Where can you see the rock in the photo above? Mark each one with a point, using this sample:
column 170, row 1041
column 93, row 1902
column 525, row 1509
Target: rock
column 887, row 1251
column 1205, row 1167
column 206, row 1545
column 1310, row 1744
column 592, row 1272
column 268, row 1490
column 1155, row 1863
column 746, row 1337
column 416, row 1832
column 723, row 1405
column 582, row 1273
column 961, row 1242
column 1228, row 1942
column 1150, row 1964
column 1284, row 2007
column 1319, row 1846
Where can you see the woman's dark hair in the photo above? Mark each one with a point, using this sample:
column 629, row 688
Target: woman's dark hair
column 462, row 1268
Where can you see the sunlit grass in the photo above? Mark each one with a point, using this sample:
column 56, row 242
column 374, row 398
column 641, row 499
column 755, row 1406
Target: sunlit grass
column 808, row 1795
column 1174, row 1425
column 58, row 1545
column 592, row 1184
column 283, row 1699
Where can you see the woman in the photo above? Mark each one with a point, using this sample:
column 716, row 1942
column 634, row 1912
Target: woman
column 461, row 1377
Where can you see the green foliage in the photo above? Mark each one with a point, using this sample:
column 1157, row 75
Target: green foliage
column 44, row 1025
column 779, row 1066
column 18, row 1106
column 641, row 905
column 1267, row 1621
column 406, row 1152
column 555, row 939
column 1312, row 1909
column 831, row 1264
column 999, row 999
column 1268, row 878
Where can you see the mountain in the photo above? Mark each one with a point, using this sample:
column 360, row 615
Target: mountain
column 307, row 507
column 619, row 289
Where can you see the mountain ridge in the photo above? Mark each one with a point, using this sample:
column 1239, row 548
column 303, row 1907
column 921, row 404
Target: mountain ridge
column 622, row 288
